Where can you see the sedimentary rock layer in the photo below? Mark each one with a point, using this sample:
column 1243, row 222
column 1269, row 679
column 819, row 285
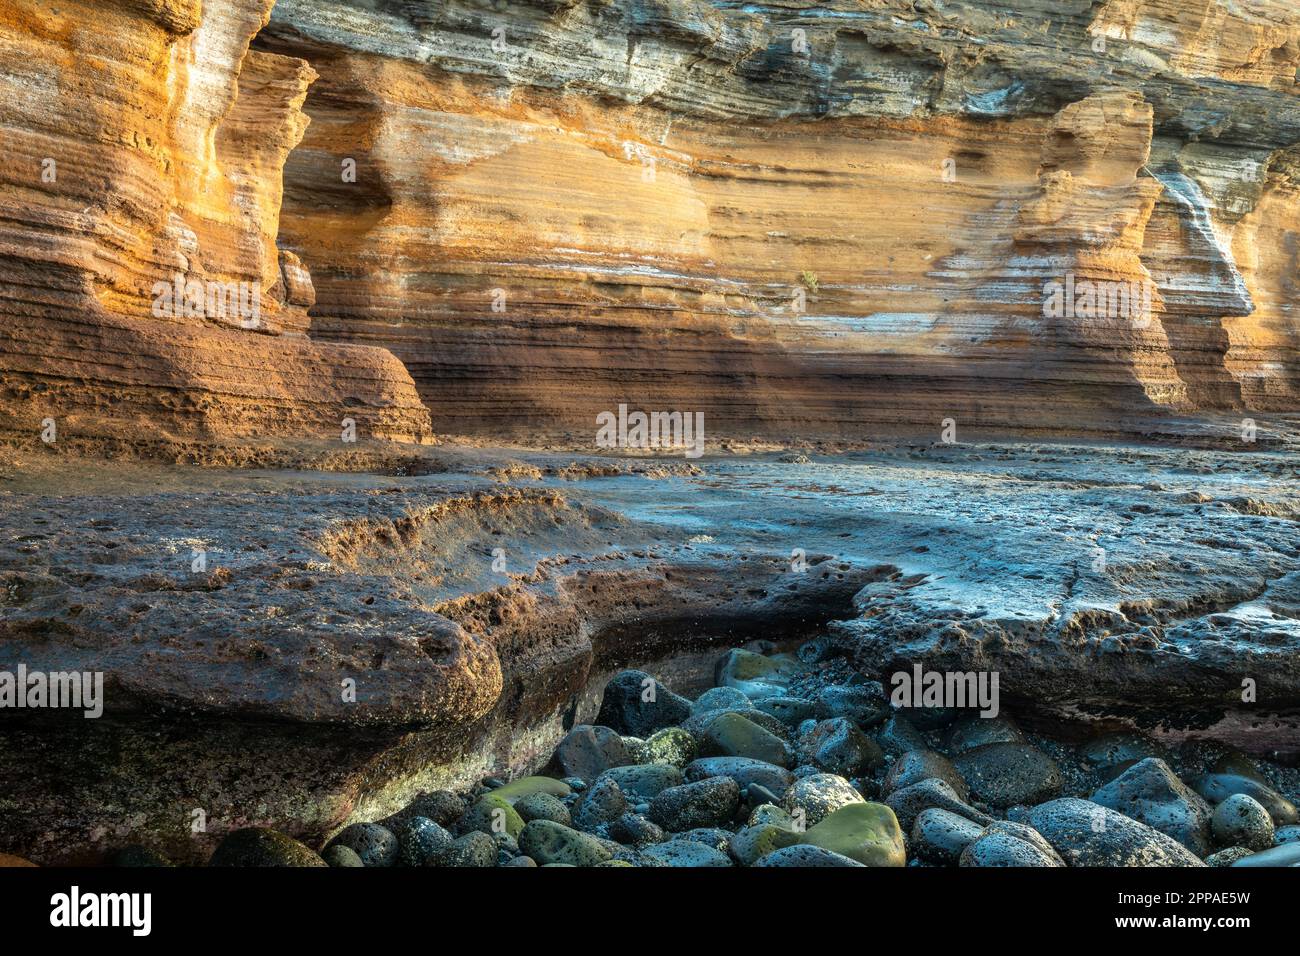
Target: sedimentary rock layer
column 294, row 660
column 142, row 294
column 802, row 218
column 297, row 649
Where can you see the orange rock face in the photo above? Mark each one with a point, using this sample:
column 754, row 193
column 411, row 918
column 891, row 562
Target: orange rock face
column 802, row 220
column 142, row 294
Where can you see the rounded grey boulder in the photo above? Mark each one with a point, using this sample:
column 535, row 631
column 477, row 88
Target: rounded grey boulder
column 689, row 853
column 818, row 796
column 1242, row 821
column 636, row 704
column 543, row 806
column 376, row 845
column 1150, row 793
column 940, row 836
column 908, row 802
column 1087, row 834
column 418, row 839
column 587, row 751
column 705, row 803
column 1009, row 773
column 802, row 855
column 917, row 765
column 341, row 856
column 1005, row 843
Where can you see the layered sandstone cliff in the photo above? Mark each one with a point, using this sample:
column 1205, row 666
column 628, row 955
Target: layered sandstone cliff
column 142, row 294
column 799, row 218
column 802, row 218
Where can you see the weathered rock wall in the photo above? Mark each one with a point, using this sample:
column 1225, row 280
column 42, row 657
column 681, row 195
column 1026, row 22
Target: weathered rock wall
column 144, row 145
column 802, row 218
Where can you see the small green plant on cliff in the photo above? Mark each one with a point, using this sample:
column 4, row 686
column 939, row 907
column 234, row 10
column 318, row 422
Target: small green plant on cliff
column 809, row 281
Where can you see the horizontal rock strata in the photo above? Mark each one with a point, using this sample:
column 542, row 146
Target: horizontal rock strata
column 142, row 294
column 802, row 219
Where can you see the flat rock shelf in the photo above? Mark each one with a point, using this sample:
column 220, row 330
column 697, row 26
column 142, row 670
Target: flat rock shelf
column 314, row 663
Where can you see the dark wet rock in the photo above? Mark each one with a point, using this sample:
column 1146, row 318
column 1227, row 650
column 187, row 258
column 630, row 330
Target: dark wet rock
column 733, row 735
column 633, row 829
column 1088, row 834
column 474, row 849
column 939, row 836
column 754, row 675
column 1006, row 774
column 838, row 746
column 684, row 853
column 865, row 704
column 817, row 651
column 587, row 751
column 818, row 796
column 971, row 731
column 1004, row 843
column 645, row 781
column 1150, row 793
column 868, row 786
column 699, row 725
column 791, row 711
column 133, row 856
column 756, row 795
column 257, row 846
column 491, row 813
column 637, row 704
column 603, row 803
column 507, row 848
column 721, row 698
column 549, row 842
column 1227, row 856
column 706, row 803
column 674, row 746
column 805, row 855
column 543, row 806
column 899, row 735
column 931, row 718
column 917, row 765
column 418, row 839
column 1286, row 855
column 908, row 802
column 1111, row 754
column 715, row 837
column 340, row 855
column 1217, row 787
column 376, row 845
column 1288, row 834
column 866, row 832
column 1238, row 763
column 1242, row 821
column 742, row 770
column 441, row 805
column 752, row 843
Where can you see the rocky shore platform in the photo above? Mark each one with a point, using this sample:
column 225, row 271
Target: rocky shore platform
column 441, row 655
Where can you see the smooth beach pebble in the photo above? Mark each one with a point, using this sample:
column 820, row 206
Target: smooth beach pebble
column 1242, row 821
